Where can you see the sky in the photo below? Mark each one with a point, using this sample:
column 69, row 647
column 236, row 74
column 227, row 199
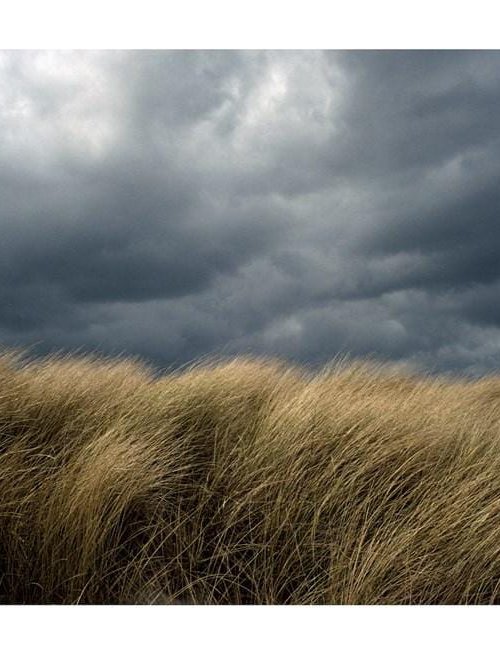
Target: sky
column 297, row 204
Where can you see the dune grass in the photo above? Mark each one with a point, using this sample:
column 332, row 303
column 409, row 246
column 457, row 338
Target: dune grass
column 246, row 482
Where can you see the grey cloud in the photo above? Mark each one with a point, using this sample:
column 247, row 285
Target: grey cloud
column 301, row 204
column 409, row 109
column 462, row 221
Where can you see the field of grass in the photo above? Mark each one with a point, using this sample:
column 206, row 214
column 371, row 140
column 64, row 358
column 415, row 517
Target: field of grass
column 246, row 482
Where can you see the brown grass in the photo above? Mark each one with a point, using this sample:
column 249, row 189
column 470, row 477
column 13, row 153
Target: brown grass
column 246, row 481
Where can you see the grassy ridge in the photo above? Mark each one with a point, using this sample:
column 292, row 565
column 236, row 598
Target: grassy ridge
column 246, row 481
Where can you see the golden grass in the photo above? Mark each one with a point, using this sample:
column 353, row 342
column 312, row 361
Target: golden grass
column 246, row 481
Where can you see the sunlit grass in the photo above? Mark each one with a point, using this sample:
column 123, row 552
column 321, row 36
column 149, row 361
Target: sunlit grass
column 246, row 481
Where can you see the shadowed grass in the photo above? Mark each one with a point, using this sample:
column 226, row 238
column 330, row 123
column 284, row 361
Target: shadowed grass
column 246, row 481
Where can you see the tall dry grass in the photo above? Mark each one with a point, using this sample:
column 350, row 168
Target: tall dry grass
column 246, row 481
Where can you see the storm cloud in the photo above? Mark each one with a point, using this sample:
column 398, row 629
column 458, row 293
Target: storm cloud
column 301, row 204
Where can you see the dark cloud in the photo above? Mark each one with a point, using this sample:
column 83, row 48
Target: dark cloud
column 300, row 204
column 411, row 110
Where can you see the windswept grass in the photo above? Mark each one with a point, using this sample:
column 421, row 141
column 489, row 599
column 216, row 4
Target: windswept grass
column 246, row 481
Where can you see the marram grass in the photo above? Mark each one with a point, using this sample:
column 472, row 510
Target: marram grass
column 246, row 482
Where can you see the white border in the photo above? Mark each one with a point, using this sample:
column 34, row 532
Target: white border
column 259, row 24
column 252, row 630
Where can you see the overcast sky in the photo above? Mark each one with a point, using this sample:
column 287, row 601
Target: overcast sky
column 302, row 204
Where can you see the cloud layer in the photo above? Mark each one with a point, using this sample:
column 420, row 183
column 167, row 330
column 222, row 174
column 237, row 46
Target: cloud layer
column 300, row 204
